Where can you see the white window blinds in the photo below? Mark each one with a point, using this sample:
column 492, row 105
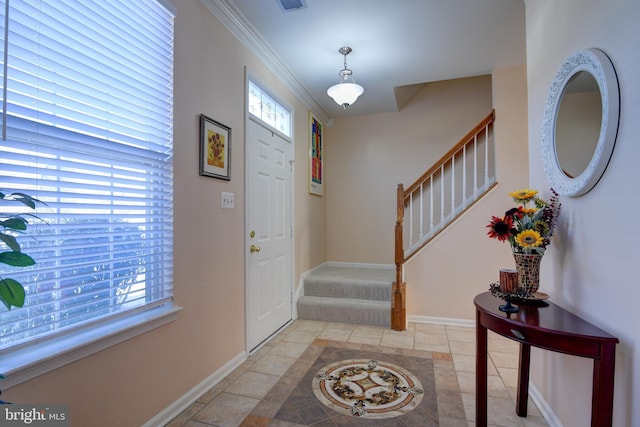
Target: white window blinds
column 87, row 122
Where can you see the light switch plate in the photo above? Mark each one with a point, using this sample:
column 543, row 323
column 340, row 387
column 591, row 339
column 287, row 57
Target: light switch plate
column 226, row 200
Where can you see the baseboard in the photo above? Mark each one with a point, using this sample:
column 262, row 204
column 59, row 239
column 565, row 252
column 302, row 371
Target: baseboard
column 442, row 321
column 173, row 410
column 544, row 407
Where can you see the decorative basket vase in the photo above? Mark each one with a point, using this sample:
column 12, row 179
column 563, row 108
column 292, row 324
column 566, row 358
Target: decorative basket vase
column 528, row 266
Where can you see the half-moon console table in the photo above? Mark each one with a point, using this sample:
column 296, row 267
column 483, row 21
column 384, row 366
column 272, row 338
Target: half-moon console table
column 548, row 326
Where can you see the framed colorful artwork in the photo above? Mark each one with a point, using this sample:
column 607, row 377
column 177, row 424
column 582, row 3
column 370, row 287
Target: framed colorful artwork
column 215, row 149
column 316, row 153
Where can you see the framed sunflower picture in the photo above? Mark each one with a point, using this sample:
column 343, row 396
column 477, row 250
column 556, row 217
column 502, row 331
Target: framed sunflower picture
column 316, row 141
column 215, row 149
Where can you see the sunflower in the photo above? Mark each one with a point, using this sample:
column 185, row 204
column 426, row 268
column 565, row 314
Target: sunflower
column 529, row 211
column 500, row 228
column 529, row 239
column 524, row 195
column 542, row 228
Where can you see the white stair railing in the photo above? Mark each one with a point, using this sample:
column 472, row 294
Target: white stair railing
column 453, row 184
column 460, row 178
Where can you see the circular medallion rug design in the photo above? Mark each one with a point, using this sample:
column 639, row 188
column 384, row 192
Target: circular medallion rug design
column 367, row 388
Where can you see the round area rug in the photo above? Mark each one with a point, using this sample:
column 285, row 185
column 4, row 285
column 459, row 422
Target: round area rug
column 367, row 388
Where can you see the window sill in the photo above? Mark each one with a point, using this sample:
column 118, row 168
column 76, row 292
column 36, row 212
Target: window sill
column 31, row 361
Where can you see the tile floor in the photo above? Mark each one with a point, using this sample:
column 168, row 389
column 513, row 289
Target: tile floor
column 239, row 399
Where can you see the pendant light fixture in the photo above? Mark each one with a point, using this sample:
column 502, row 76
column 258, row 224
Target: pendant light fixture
column 345, row 92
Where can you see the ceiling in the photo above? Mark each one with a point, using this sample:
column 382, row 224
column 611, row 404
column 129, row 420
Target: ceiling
column 398, row 45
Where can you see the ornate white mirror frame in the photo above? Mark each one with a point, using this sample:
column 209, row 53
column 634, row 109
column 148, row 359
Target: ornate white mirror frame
column 598, row 64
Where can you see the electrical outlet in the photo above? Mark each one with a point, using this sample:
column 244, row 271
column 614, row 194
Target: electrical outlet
column 226, row 200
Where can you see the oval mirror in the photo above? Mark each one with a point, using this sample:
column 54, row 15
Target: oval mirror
column 580, row 122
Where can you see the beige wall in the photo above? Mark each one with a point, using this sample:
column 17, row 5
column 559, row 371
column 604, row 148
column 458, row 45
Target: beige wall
column 368, row 156
column 129, row 383
column 443, row 278
column 591, row 266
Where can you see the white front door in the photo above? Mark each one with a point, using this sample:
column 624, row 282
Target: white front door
column 269, row 233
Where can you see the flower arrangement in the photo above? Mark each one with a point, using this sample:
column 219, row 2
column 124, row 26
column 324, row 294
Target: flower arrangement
column 528, row 227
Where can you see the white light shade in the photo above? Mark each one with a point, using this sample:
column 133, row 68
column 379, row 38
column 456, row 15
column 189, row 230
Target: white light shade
column 345, row 94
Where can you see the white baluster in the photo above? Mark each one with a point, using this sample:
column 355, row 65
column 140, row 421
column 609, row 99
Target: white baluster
column 431, row 203
column 441, row 194
column 464, row 176
column 486, row 157
column 421, row 213
column 453, row 184
column 475, row 166
column 411, row 220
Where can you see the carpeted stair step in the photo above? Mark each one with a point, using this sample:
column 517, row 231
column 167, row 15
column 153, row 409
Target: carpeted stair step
column 347, row 310
column 348, row 289
column 348, row 294
column 350, row 282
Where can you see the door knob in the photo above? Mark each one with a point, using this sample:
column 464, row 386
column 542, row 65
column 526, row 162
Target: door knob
column 254, row 248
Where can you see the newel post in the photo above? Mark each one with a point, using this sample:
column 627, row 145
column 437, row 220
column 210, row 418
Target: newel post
column 399, row 289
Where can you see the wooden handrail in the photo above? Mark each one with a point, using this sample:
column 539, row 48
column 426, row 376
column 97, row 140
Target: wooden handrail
column 398, row 298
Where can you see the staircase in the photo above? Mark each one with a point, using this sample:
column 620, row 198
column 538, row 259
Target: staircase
column 349, row 294
column 377, row 296
column 444, row 192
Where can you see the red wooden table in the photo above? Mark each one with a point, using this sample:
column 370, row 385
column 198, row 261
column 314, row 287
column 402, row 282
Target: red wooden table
column 548, row 326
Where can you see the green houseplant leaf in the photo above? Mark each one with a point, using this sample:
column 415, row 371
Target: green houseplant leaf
column 15, row 223
column 10, row 241
column 16, row 259
column 25, row 199
column 11, row 293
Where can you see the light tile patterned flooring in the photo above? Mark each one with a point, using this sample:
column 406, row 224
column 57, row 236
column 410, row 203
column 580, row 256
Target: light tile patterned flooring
column 236, row 396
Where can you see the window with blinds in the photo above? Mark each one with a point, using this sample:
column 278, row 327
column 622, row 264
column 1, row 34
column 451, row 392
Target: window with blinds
column 87, row 128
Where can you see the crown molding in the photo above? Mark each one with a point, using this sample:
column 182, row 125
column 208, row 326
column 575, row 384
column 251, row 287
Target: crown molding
column 242, row 29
